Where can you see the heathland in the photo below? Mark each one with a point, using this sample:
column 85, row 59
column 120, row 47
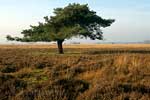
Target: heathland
column 84, row 72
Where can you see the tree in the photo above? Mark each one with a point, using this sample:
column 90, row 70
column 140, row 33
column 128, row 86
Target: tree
column 72, row 20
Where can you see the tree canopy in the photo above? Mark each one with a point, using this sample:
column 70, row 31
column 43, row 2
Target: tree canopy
column 72, row 20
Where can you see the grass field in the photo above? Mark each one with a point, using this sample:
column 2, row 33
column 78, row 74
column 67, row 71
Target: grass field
column 106, row 46
column 84, row 72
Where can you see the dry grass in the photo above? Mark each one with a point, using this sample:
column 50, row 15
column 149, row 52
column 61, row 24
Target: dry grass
column 79, row 46
column 85, row 72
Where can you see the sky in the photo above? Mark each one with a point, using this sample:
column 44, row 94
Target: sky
column 132, row 17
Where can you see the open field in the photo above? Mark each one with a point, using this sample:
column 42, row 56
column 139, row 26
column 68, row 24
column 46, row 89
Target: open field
column 80, row 46
column 84, row 72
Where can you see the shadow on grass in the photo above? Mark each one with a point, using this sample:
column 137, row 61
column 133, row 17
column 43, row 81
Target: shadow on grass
column 118, row 52
column 93, row 51
column 129, row 88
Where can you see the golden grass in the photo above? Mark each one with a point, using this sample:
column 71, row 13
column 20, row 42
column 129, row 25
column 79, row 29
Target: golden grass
column 94, row 72
column 79, row 46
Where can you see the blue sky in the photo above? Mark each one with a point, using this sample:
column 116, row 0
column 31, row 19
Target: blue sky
column 132, row 16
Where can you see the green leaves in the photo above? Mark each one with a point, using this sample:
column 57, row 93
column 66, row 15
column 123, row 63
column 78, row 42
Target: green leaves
column 72, row 20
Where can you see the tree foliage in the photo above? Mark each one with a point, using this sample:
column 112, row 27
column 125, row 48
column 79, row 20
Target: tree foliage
column 72, row 20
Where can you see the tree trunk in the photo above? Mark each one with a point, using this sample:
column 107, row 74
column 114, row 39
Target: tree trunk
column 60, row 47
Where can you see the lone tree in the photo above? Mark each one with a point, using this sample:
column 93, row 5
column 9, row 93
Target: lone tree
column 72, row 20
